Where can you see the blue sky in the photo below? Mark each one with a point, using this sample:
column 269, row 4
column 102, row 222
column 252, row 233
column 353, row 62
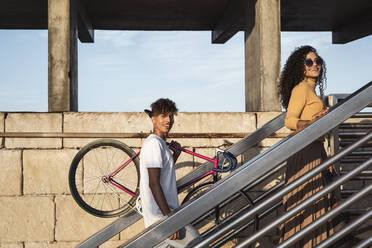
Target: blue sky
column 125, row 71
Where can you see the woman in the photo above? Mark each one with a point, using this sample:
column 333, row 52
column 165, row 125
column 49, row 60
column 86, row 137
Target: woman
column 303, row 71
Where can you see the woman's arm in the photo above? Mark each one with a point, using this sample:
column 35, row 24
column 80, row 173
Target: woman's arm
column 301, row 124
column 296, row 105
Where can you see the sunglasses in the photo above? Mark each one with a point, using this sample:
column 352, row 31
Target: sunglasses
column 309, row 62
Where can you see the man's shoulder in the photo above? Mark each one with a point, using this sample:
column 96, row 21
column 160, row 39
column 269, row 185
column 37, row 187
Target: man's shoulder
column 152, row 140
column 152, row 150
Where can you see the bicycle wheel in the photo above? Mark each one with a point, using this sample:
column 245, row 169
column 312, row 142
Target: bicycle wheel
column 211, row 215
column 88, row 178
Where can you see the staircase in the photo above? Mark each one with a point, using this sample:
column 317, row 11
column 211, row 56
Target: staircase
column 348, row 132
column 249, row 217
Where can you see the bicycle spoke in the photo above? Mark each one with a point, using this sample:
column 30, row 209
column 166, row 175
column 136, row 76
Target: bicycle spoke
column 118, row 195
column 91, row 175
column 112, row 207
column 88, row 189
column 85, row 181
column 88, row 178
column 98, row 162
column 112, row 159
column 113, row 190
column 119, row 163
column 107, row 161
column 95, row 192
column 92, row 163
column 109, row 186
column 104, row 196
column 108, row 164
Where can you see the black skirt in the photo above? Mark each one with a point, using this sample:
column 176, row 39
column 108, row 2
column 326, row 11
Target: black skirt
column 298, row 165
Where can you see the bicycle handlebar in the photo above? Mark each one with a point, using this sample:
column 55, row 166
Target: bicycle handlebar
column 232, row 162
column 231, row 159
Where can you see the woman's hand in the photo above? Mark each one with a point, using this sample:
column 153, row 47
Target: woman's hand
column 319, row 114
column 174, row 236
column 301, row 124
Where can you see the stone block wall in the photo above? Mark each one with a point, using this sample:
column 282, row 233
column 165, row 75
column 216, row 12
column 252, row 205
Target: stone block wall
column 36, row 207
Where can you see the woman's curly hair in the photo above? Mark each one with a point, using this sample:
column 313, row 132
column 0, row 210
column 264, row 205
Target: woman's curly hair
column 293, row 73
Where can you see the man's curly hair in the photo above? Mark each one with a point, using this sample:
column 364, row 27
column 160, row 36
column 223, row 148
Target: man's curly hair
column 163, row 106
column 293, row 73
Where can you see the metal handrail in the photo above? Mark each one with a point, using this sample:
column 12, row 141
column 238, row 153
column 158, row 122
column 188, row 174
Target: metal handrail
column 244, row 226
column 346, row 230
column 338, row 98
column 259, row 198
column 238, row 194
column 331, row 214
column 365, row 243
column 253, row 169
column 111, row 230
column 284, row 191
column 344, row 134
column 306, row 203
column 240, row 147
column 241, row 228
column 242, row 210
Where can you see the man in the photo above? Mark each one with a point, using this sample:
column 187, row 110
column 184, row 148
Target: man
column 158, row 189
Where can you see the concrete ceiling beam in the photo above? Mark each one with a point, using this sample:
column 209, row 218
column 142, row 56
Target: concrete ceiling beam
column 354, row 29
column 230, row 22
column 85, row 27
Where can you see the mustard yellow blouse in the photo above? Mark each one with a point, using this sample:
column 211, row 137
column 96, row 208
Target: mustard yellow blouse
column 303, row 104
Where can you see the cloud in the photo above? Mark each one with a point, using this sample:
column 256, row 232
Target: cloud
column 322, row 41
column 12, row 99
column 185, row 65
column 191, row 54
column 175, row 55
column 317, row 39
column 117, row 38
column 43, row 34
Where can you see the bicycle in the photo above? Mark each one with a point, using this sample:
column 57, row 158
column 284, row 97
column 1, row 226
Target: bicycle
column 106, row 190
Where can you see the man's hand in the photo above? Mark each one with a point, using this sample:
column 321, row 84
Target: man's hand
column 176, row 148
column 174, row 236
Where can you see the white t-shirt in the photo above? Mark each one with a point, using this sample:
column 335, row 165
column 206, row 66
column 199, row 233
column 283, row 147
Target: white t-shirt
column 156, row 154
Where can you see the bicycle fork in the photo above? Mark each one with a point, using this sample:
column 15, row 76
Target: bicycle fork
column 110, row 178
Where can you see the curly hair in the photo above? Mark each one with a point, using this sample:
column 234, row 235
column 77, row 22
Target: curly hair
column 293, row 73
column 163, row 106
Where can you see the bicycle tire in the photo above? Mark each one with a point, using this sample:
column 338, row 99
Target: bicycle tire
column 198, row 191
column 82, row 168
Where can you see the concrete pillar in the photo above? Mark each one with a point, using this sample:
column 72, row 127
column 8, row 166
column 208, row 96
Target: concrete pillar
column 62, row 56
column 262, row 55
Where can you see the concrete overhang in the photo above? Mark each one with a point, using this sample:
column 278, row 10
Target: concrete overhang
column 348, row 20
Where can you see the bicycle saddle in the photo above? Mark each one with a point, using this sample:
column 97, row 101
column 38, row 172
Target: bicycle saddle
column 148, row 112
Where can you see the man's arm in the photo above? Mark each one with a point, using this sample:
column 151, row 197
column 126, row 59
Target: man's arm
column 157, row 192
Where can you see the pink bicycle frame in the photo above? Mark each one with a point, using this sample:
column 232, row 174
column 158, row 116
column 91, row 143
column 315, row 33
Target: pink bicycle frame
column 110, row 179
column 211, row 172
